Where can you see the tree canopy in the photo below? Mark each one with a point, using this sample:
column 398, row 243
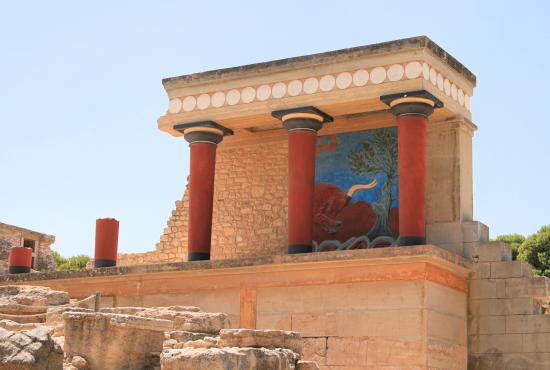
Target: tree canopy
column 534, row 249
column 71, row 263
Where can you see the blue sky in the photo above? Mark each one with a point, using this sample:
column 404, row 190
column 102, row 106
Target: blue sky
column 80, row 92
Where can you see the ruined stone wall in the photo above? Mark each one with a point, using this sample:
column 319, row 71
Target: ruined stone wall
column 12, row 236
column 250, row 208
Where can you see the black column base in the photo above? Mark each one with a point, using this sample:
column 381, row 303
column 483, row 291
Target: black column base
column 104, row 263
column 198, row 256
column 19, row 269
column 411, row 240
column 299, row 248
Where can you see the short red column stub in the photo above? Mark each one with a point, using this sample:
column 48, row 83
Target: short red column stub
column 20, row 260
column 106, row 242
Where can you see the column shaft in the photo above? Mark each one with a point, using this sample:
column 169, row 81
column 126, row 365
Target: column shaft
column 301, row 178
column 201, row 199
column 412, row 179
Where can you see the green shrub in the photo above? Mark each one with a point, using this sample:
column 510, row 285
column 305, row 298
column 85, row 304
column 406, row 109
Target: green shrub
column 536, row 250
column 514, row 240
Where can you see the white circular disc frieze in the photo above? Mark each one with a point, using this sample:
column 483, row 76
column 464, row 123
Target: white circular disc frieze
column 294, row 87
column 278, row 90
column 189, row 103
column 454, row 91
column 233, row 97
column 378, row 75
column 396, row 72
column 203, row 101
column 263, row 92
column 433, row 76
column 447, row 87
column 460, row 96
column 174, row 106
column 327, row 83
column 248, row 94
column 426, row 71
column 218, row 99
column 413, row 70
column 311, row 85
column 344, row 79
column 440, row 81
column 360, row 77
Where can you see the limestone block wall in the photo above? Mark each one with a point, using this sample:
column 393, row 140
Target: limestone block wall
column 508, row 315
column 250, row 200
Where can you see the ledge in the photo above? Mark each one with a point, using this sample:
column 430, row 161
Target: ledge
column 379, row 256
column 321, row 58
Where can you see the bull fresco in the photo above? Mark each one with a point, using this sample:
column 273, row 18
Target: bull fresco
column 356, row 203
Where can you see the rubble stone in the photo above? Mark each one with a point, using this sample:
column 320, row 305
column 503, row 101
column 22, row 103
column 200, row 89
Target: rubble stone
column 31, row 296
column 29, row 350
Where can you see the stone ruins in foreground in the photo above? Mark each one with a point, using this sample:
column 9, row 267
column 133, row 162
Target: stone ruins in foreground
column 329, row 195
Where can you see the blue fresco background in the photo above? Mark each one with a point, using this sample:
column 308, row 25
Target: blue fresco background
column 331, row 166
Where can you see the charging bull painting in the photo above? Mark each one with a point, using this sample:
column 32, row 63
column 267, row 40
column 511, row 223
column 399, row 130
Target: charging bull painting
column 356, row 204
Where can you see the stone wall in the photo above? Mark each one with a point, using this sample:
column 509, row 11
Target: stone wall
column 250, row 207
column 250, row 199
column 508, row 314
column 13, row 236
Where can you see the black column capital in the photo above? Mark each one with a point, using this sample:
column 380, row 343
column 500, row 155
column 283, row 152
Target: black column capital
column 419, row 102
column 302, row 118
column 203, row 132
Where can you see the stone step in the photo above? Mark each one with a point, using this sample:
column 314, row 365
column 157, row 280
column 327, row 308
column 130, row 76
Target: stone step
column 492, row 251
column 23, row 319
column 261, row 338
column 228, row 358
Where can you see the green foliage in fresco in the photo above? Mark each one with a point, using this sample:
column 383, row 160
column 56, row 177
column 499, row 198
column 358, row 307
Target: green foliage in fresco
column 378, row 155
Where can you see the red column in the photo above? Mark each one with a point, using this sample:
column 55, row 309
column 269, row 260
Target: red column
column 411, row 144
column 301, row 181
column 412, row 110
column 20, row 260
column 302, row 125
column 203, row 143
column 106, row 242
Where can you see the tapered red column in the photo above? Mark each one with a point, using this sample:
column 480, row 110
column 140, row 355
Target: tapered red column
column 412, row 111
column 302, row 125
column 106, row 242
column 203, row 142
column 20, row 260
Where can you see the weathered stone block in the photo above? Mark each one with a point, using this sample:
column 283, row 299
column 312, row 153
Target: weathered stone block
column 228, row 358
column 510, row 269
column 536, row 342
column 114, row 341
column 261, row 338
column 528, row 324
column 315, row 349
column 307, row 365
column 474, row 231
column 500, row 342
column 389, row 353
column 492, row 251
column 347, row 351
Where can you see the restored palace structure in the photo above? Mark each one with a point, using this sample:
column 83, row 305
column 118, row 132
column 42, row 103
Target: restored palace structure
column 331, row 194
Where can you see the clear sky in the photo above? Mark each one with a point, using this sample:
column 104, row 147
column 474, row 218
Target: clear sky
column 80, row 92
